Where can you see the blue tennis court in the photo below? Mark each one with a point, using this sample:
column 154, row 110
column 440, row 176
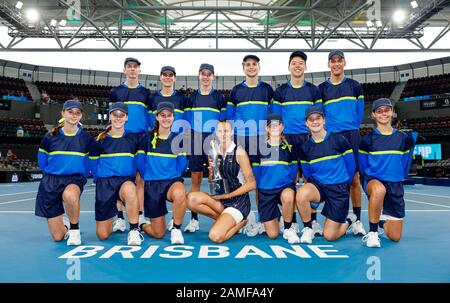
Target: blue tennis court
column 29, row 255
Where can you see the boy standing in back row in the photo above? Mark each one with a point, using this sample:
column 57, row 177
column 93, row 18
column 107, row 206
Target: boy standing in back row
column 343, row 104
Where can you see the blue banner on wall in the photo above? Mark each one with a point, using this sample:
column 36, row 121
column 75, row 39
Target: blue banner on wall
column 428, row 151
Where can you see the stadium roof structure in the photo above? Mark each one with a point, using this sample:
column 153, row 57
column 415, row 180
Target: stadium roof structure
column 213, row 25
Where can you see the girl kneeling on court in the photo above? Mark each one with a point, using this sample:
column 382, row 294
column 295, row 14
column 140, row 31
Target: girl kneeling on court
column 161, row 161
column 328, row 165
column 385, row 156
column 63, row 159
column 229, row 210
column 112, row 162
column 275, row 170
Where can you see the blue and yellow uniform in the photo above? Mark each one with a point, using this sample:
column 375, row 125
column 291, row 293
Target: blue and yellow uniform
column 275, row 170
column 206, row 111
column 112, row 162
column 343, row 104
column 387, row 158
column 248, row 108
column 292, row 102
column 182, row 109
column 160, row 166
column 329, row 165
column 63, row 160
column 137, row 98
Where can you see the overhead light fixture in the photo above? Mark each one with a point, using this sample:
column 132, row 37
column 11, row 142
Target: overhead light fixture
column 32, row 15
column 399, row 16
column 379, row 24
column 63, row 22
column 53, row 22
column 414, row 4
column 369, row 23
column 19, row 4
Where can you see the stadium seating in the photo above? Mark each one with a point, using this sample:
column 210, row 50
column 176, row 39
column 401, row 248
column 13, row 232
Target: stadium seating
column 83, row 92
column 32, row 127
column 432, row 85
column 374, row 91
column 14, row 88
column 429, row 126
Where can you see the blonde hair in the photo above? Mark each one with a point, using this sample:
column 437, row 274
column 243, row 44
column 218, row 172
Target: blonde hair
column 54, row 131
column 103, row 134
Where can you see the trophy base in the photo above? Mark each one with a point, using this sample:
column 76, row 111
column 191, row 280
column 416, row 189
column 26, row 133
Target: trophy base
column 218, row 187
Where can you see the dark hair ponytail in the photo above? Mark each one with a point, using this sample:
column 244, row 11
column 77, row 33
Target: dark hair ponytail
column 156, row 141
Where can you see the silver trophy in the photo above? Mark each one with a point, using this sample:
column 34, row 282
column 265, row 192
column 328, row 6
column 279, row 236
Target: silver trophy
column 217, row 185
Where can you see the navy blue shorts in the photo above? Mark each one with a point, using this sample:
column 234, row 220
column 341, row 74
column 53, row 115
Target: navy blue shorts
column 353, row 137
column 250, row 144
column 268, row 200
column 336, row 198
column 107, row 192
column 394, row 203
column 199, row 150
column 49, row 200
column 155, row 197
column 241, row 203
column 297, row 140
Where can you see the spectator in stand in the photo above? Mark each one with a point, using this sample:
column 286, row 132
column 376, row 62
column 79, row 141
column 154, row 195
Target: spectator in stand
column 20, row 131
column 10, row 156
column 45, row 99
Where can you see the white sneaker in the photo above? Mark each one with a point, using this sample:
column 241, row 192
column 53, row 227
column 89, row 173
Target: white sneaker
column 66, row 222
column 141, row 218
column 307, row 235
column 372, row 239
column 193, row 226
column 135, row 238
column 119, row 225
column 73, row 237
column 352, row 218
column 251, row 228
column 142, row 221
column 291, row 236
column 176, row 237
column 357, row 228
column 170, row 225
column 295, row 227
column 261, row 228
column 317, row 229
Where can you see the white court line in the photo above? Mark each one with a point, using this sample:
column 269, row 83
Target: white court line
column 25, row 192
column 426, row 203
column 29, row 199
column 17, row 201
column 437, row 196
